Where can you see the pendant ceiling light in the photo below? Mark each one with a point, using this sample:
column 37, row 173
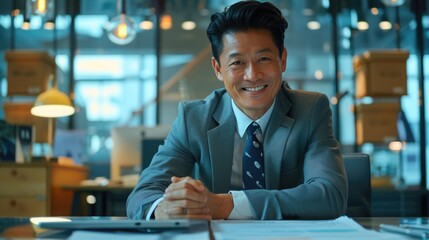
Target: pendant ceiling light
column 122, row 28
column 384, row 23
column 39, row 7
column 393, row 3
column 52, row 104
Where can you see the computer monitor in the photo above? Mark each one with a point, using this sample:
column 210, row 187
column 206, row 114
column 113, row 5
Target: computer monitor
column 149, row 148
column 129, row 145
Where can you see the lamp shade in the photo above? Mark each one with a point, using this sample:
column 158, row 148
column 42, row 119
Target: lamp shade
column 52, row 104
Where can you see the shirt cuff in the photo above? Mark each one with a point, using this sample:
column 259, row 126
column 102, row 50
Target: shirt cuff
column 152, row 208
column 241, row 210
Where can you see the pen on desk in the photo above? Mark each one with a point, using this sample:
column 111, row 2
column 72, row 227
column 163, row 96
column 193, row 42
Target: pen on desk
column 404, row 230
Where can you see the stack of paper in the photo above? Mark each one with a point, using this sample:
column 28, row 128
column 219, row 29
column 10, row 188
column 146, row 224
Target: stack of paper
column 413, row 230
column 340, row 228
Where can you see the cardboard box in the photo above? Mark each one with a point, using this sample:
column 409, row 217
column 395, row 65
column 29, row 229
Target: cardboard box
column 28, row 72
column 377, row 122
column 381, row 73
column 19, row 113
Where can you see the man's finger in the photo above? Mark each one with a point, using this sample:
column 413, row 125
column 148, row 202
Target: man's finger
column 186, row 182
column 185, row 203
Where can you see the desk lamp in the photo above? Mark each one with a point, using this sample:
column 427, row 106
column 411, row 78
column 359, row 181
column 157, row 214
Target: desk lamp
column 52, row 104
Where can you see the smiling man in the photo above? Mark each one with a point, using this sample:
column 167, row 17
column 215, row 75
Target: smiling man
column 253, row 150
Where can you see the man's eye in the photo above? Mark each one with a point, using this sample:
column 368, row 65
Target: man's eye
column 263, row 59
column 236, row 63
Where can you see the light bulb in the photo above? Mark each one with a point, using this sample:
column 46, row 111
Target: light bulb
column 49, row 25
column 39, row 7
column 393, row 3
column 166, row 22
column 188, row 25
column 146, row 25
column 122, row 30
column 362, row 25
column 26, row 25
column 385, row 25
column 313, row 25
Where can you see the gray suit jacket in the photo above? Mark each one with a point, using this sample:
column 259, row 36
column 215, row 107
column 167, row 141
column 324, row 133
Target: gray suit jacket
column 304, row 172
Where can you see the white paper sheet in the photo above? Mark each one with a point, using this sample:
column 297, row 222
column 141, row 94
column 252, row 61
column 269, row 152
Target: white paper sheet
column 341, row 228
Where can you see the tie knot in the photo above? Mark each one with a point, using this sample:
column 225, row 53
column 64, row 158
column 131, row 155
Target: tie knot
column 252, row 128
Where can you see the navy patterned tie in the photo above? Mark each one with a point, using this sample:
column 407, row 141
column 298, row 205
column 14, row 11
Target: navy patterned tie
column 253, row 160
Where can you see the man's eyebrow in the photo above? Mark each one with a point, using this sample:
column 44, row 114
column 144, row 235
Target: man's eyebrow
column 234, row 54
column 263, row 50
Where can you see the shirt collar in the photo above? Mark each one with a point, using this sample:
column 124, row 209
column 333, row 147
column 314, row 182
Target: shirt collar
column 243, row 120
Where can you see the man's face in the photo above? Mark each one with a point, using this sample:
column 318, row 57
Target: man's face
column 251, row 69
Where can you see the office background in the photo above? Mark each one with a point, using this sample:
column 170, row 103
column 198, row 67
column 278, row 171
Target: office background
column 114, row 85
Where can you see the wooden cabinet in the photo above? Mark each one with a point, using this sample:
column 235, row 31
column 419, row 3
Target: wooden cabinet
column 35, row 189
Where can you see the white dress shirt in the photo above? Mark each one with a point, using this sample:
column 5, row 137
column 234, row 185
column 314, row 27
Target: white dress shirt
column 242, row 209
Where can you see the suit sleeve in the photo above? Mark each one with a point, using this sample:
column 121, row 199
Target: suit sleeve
column 172, row 159
column 323, row 191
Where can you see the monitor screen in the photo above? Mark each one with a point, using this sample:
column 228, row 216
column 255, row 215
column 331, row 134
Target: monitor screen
column 149, row 148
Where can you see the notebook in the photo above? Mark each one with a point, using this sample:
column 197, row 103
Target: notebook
column 115, row 224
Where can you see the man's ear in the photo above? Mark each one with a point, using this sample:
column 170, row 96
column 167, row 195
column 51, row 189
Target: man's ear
column 216, row 69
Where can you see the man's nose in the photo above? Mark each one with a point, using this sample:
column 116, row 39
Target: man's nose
column 252, row 72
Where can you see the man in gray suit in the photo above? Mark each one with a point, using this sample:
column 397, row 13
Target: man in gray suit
column 199, row 171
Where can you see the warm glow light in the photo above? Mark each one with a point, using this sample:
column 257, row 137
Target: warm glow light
column 318, row 74
column 385, row 25
column 146, row 25
column 166, row 22
column 49, row 25
column 362, row 25
column 51, row 104
column 25, row 25
column 374, row 11
column 52, row 111
column 188, row 25
column 393, row 3
column 395, row 146
column 90, row 199
column 41, row 6
column 122, row 30
column 313, row 25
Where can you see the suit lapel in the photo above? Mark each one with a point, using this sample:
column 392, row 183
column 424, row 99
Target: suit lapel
column 221, row 142
column 275, row 140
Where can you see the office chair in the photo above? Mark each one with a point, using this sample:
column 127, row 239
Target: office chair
column 357, row 167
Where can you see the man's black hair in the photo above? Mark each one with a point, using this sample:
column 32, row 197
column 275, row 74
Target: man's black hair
column 243, row 16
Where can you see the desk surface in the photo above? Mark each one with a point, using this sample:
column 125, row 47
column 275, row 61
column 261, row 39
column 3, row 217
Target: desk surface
column 22, row 228
column 98, row 188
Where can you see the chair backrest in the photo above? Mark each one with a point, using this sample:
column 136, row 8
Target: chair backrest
column 359, row 178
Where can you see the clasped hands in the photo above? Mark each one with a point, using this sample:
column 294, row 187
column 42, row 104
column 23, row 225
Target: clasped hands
column 189, row 198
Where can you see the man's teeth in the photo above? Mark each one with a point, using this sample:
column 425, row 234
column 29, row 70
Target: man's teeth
column 254, row 89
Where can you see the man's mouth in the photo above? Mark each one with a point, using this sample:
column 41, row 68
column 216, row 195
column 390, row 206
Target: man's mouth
column 255, row 89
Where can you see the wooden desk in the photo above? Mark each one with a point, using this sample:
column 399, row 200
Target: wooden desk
column 110, row 200
column 21, row 227
column 34, row 189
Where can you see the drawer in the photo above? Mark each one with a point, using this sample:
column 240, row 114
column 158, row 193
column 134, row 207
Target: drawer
column 23, row 181
column 23, row 206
